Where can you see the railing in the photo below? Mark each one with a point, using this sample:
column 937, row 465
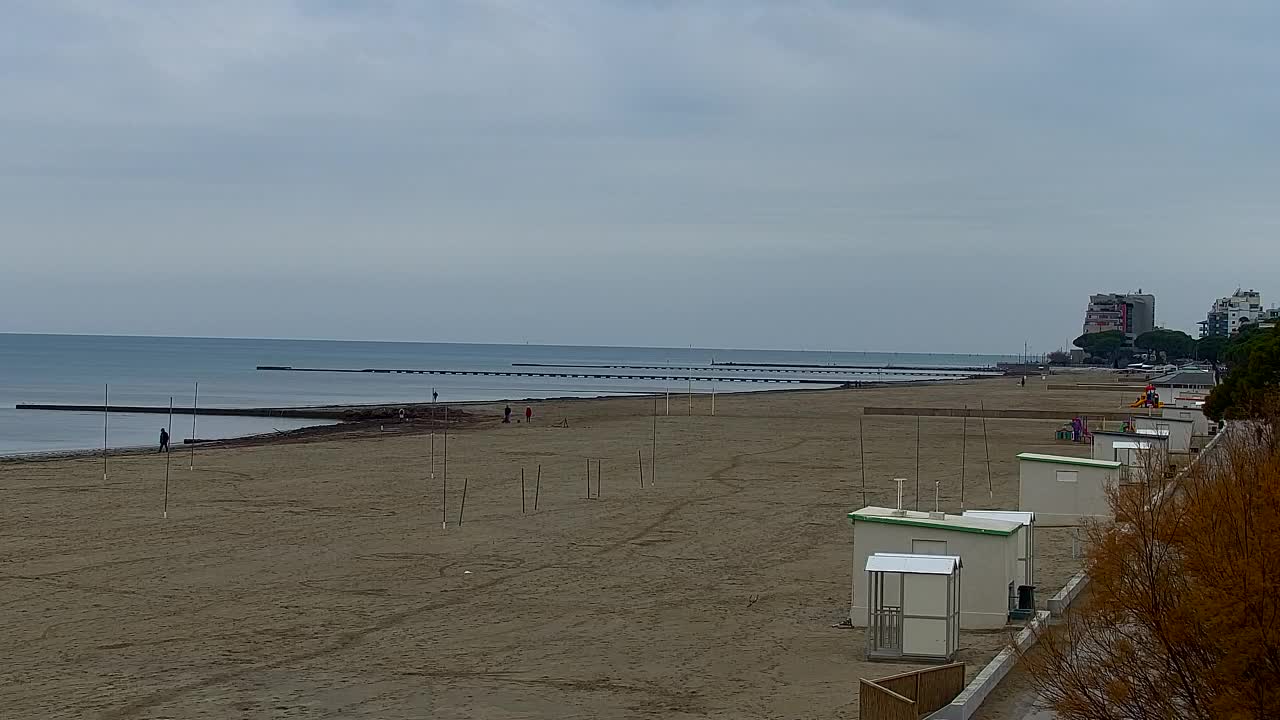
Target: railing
column 910, row 695
column 885, row 632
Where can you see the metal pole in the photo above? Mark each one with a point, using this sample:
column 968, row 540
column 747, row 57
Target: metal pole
column 653, row 454
column 983, row 408
column 964, row 436
column 713, row 398
column 588, row 478
column 537, row 488
column 106, row 405
column 917, row 462
column 640, row 465
column 862, row 457
column 522, row 510
column 167, row 453
column 195, row 406
column 462, row 508
column 690, row 411
column 444, row 472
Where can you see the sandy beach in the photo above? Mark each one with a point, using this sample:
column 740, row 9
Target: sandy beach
column 314, row 580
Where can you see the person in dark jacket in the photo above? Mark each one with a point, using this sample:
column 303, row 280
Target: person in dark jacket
column 164, row 440
column 506, row 415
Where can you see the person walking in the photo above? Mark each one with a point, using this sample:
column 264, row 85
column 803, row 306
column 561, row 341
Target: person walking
column 164, row 440
column 506, row 415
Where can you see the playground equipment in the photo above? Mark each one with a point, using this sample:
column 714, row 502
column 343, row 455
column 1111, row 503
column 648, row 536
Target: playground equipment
column 1149, row 398
column 1077, row 431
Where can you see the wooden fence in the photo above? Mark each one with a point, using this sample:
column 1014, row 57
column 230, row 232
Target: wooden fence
column 911, row 694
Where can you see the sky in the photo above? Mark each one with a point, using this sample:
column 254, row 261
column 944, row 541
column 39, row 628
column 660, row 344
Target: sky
column 843, row 175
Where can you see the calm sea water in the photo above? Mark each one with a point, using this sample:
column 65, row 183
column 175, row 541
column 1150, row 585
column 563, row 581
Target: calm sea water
column 147, row 371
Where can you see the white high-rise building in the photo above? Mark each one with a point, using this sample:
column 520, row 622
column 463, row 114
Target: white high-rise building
column 1228, row 313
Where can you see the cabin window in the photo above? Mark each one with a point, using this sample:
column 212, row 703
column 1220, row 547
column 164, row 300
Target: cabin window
column 1068, row 476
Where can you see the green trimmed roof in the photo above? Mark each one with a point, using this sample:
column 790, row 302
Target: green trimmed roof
column 959, row 523
column 1067, row 460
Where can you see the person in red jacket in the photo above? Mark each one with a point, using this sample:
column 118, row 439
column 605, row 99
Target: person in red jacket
column 528, row 414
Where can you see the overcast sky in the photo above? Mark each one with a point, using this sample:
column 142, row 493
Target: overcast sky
column 910, row 176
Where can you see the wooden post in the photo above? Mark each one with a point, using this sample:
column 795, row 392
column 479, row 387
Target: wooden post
column 713, row 398
column 433, row 449
column 640, row 465
column 522, row 491
column 463, row 507
column 599, row 476
column 167, row 453
column 537, row 487
column 588, row 478
column 690, row 410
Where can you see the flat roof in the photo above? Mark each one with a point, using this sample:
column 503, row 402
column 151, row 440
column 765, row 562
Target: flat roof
column 1114, row 433
column 959, row 523
column 1066, row 460
column 1018, row 516
column 1164, row 418
column 913, row 564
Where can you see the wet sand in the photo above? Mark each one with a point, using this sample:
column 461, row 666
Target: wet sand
column 313, row 579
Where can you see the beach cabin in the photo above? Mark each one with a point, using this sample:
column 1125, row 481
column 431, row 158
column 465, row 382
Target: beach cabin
column 1026, row 538
column 1199, row 422
column 914, row 614
column 1065, row 491
column 1184, row 388
column 1177, row 431
column 988, row 548
column 1132, row 449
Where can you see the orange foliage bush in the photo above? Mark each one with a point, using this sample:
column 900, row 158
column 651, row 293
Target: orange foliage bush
column 1182, row 618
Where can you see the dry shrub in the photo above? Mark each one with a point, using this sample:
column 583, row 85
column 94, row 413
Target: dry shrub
column 1182, row 618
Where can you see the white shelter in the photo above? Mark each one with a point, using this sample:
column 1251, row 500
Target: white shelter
column 1128, row 448
column 1066, row 491
column 914, row 613
column 1177, row 431
column 1199, row 423
column 1025, row 534
column 988, row 548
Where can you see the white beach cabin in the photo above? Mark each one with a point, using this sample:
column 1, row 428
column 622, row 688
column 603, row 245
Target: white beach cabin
column 914, row 614
column 1132, row 449
column 988, row 548
column 1176, row 430
column 1199, row 423
column 1026, row 538
column 1065, row 491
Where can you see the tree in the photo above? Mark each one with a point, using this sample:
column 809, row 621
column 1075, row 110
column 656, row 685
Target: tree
column 1059, row 357
column 1210, row 348
column 1180, row 621
column 1102, row 344
column 1253, row 376
column 1172, row 344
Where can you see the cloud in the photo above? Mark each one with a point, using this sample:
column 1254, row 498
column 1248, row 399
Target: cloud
column 1106, row 144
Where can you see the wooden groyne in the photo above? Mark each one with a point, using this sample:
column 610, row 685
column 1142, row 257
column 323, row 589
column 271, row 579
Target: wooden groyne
column 759, row 368
column 344, row 413
column 880, row 368
column 577, row 375
column 1011, row 413
column 303, row 413
column 1116, row 387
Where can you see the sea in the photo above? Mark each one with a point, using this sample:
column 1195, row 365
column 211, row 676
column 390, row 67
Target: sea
column 137, row 371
